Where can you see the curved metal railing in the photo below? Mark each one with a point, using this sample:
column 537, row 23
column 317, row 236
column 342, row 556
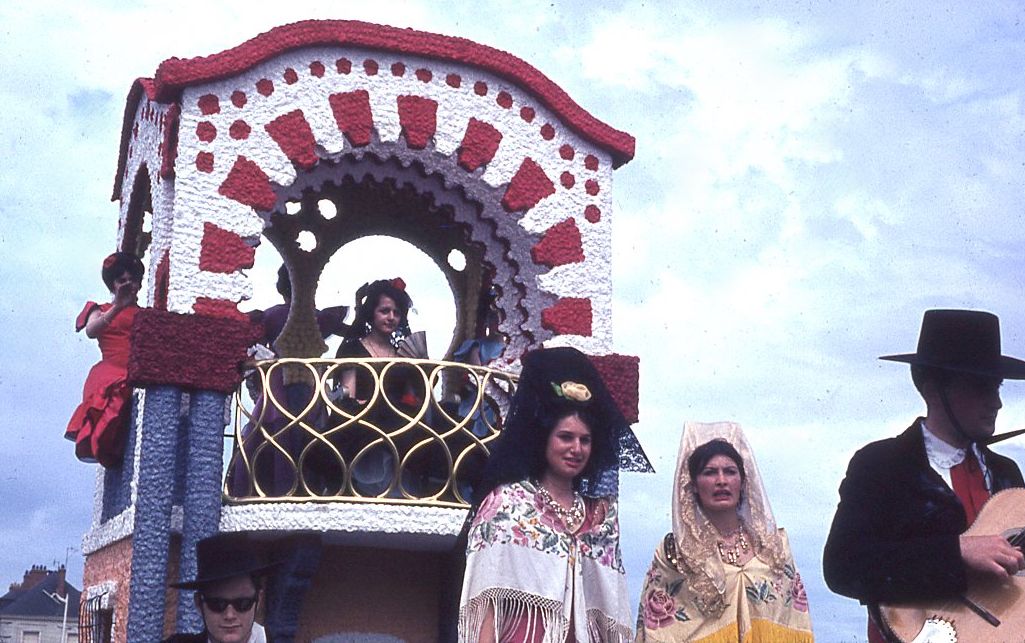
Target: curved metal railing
column 420, row 438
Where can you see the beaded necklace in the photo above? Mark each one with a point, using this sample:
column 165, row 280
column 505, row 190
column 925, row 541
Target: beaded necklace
column 731, row 553
column 573, row 517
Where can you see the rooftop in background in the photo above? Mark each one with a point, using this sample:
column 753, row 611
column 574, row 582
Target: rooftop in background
column 36, row 595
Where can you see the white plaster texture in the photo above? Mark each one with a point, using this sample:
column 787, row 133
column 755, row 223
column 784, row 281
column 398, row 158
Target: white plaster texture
column 105, row 590
column 144, row 152
column 198, row 200
column 120, row 527
column 343, row 517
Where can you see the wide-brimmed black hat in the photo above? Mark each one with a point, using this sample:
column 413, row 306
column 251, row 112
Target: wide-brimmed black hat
column 963, row 341
column 224, row 556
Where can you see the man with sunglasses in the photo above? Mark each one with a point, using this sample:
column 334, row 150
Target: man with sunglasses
column 228, row 583
column 898, row 534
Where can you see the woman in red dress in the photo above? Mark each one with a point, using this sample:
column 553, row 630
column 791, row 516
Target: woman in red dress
column 100, row 423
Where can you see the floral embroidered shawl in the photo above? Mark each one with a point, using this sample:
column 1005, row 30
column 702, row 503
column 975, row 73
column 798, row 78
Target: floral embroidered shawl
column 534, row 580
column 762, row 606
column 691, row 594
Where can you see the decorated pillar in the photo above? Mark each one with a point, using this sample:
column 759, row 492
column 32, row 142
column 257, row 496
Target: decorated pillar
column 151, row 536
column 201, row 505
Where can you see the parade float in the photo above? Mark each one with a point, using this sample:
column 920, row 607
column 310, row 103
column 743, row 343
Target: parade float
column 452, row 146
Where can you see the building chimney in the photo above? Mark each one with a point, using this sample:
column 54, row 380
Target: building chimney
column 34, row 576
column 61, row 589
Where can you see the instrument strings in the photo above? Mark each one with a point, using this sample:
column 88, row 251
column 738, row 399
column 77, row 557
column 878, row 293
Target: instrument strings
column 1018, row 539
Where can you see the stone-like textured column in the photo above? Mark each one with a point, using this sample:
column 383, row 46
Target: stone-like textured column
column 117, row 481
column 152, row 533
column 202, row 502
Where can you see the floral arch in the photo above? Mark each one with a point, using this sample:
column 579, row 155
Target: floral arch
column 498, row 161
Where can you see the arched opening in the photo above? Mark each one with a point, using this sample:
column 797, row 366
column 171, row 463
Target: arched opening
column 363, row 260
column 333, row 236
column 326, row 214
column 137, row 227
column 381, row 257
column 138, row 223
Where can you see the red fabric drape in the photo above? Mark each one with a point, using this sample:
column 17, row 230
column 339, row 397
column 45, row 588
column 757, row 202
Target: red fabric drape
column 970, row 485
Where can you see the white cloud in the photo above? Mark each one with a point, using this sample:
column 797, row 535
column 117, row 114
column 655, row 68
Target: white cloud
column 868, row 213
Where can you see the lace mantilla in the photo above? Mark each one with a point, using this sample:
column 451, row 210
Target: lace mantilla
column 695, row 540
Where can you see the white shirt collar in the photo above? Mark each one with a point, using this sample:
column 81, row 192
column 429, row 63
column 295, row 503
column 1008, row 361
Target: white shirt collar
column 943, row 456
column 939, row 452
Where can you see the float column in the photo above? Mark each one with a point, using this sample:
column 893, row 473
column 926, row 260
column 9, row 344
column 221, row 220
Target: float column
column 202, row 503
column 152, row 533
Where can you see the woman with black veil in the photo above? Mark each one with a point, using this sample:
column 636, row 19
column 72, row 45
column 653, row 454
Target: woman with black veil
column 543, row 562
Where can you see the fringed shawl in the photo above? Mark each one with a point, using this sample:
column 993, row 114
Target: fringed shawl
column 690, row 594
column 694, row 535
column 533, row 580
column 760, row 605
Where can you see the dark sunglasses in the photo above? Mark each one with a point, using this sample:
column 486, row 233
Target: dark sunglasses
column 218, row 605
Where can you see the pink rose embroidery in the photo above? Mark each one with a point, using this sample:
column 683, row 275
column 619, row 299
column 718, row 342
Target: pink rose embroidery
column 798, row 595
column 519, row 537
column 489, row 506
column 659, row 609
column 653, row 574
column 547, row 515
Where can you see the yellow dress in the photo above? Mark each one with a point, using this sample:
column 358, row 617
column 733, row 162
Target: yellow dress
column 760, row 606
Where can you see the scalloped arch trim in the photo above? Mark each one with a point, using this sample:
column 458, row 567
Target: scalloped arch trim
column 175, row 74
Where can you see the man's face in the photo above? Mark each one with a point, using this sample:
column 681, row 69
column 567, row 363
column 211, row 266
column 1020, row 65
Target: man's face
column 975, row 402
column 230, row 624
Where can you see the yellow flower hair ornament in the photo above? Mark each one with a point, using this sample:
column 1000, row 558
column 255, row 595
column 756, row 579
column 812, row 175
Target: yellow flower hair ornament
column 572, row 391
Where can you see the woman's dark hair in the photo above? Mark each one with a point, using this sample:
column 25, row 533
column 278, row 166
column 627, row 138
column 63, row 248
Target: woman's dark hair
column 701, row 456
column 538, row 405
column 367, row 298
column 118, row 264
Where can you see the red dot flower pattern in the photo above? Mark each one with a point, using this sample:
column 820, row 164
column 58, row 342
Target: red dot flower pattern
column 503, row 123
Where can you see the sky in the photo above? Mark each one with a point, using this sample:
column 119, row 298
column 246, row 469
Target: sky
column 809, row 178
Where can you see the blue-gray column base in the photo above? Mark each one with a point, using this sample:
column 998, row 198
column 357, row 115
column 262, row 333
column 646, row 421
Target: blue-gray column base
column 152, row 533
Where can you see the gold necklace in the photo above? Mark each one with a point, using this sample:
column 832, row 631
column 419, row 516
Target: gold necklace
column 731, row 553
column 573, row 517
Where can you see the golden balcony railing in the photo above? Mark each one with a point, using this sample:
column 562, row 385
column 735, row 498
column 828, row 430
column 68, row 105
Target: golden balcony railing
column 416, row 432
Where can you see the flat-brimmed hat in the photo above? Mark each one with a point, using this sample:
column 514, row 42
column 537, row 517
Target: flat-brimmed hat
column 963, row 341
column 224, row 556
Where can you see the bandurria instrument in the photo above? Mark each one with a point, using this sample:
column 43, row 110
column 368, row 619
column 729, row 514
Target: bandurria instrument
column 991, row 609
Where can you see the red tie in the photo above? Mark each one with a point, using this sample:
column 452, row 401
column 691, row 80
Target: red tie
column 969, row 485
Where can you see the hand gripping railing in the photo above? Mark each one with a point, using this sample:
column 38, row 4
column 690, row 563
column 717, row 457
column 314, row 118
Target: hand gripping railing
column 414, row 432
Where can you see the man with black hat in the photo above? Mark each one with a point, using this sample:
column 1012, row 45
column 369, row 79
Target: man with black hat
column 228, row 582
column 906, row 501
